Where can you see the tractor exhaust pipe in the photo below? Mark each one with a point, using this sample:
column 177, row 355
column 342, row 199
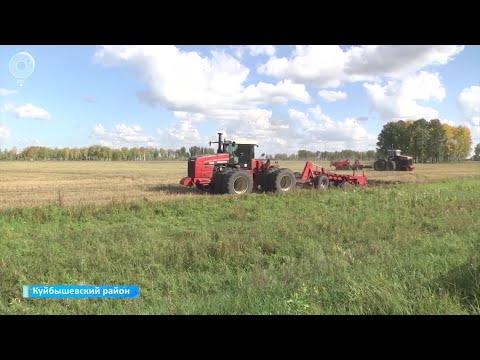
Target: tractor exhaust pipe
column 219, row 150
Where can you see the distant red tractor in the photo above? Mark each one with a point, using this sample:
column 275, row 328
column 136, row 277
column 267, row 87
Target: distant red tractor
column 395, row 161
column 234, row 170
column 346, row 165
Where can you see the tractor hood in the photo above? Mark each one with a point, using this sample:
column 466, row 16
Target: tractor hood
column 212, row 159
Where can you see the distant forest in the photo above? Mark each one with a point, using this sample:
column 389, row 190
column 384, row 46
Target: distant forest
column 425, row 141
column 104, row 153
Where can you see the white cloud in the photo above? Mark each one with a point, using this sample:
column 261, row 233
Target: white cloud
column 330, row 65
column 449, row 122
column 318, row 131
column 4, row 132
column 398, row 99
column 396, row 60
column 29, row 111
column 253, row 50
column 25, row 142
column 256, row 50
column 469, row 104
column 199, row 88
column 332, row 96
column 321, row 65
column 122, row 135
column 5, row 92
column 182, row 133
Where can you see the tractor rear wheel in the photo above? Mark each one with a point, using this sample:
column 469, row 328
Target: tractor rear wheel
column 282, row 180
column 265, row 180
column 237, row 182
column 380, row 165
column 391, row 165
column 321, row 182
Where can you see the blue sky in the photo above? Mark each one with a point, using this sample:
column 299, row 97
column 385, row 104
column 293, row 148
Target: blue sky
column 287, row 97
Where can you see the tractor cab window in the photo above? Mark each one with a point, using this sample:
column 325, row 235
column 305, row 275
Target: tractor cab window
column 245, row 153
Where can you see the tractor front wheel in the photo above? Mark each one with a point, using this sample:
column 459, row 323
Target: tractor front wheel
column 380, row 165
column 237, row 182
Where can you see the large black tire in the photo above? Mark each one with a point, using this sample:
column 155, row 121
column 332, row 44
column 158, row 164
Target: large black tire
column 282, row 180
column 265, row 179
column 380, row 165
column 344, row 185
column 391, row 165
column 237, row 182
column 216, row 184
column 321, row 182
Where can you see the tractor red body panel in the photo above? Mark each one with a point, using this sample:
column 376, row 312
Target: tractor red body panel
column 200, row 168
column 404, row 162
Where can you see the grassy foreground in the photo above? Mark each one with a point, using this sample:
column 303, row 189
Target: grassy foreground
column 405, row 249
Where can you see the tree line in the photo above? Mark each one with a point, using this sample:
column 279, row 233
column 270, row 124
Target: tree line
column 426, row 141
column 423, row 140
column 326, row 155
column 98, row 152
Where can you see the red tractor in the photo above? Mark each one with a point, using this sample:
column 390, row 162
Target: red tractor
column 394, row 161
column 234, row 170
column 346, row 165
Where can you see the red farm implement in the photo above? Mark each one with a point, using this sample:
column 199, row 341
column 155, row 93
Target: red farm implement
column 347, row 165
column 234, row 170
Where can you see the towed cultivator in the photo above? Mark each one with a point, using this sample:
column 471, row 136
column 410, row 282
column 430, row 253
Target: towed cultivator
column 346, row 165
column 234, row 170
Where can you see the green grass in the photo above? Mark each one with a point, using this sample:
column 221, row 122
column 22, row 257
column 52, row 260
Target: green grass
column 406, row 249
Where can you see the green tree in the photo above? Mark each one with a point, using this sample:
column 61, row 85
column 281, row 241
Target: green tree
column 420, row 140
column 477, row 152
column 438, row 140
column 396, row 134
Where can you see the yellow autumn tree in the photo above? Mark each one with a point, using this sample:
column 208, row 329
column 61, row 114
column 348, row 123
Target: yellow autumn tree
column 459, row 142
column 450, row 147
column 463, row 140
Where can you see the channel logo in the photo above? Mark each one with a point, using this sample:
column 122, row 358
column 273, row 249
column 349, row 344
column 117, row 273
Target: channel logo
column 22, row 65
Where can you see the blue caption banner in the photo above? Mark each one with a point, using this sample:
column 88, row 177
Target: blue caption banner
column 80, row 291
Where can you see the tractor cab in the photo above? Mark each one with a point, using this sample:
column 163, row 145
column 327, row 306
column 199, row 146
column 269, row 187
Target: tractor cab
column 394, row 153
column 241, row 151
column 244, row 153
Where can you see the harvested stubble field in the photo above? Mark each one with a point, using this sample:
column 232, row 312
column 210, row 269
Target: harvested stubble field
column 411, row 248
column 25, row 184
